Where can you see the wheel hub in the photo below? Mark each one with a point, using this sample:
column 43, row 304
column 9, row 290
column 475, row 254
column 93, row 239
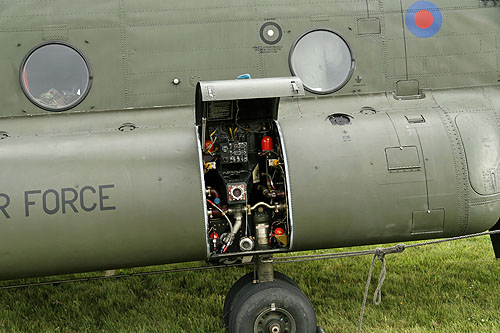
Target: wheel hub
column 275, row 328
column 275, row 320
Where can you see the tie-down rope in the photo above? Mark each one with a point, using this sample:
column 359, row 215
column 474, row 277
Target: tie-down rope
column 379, row 254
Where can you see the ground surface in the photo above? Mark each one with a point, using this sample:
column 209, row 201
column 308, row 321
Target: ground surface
column 451, row 287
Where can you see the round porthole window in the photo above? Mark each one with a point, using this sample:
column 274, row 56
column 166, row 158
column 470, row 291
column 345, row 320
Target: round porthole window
column 55, row 76
column 322, row 60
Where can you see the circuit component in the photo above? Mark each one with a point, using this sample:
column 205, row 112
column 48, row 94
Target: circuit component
column 273, row 162
column 237, row 193
column 266, row 143
column 209, row 146
column 210, row 166
column 246, row 244
column 281, row 236
column 234, row 152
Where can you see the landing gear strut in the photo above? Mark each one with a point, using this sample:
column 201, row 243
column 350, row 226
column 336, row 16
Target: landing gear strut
column 265, row 301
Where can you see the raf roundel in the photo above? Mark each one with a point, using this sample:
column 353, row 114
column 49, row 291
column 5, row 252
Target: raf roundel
column 424, row 19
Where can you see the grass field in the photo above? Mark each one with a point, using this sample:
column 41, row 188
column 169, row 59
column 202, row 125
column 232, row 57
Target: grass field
column 451, row 287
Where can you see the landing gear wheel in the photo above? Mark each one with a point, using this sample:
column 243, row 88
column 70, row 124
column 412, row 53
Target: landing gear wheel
column 272, row 307
column 240, row 284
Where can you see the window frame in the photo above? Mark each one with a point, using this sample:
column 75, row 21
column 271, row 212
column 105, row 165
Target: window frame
column 351, row 70
column 31, row 98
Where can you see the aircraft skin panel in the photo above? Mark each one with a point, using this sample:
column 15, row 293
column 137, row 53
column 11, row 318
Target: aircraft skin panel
column 483, row 156
column 361, row 189
column 137, row 50
column 468, row 58
column 175, row 12
column 473, row 172
column 105, row 63
column 95, row 198
column 31, row 15
column 117, row 180
column 134, row 196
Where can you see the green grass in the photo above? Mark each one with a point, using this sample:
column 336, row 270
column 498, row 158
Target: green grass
column 450, row 287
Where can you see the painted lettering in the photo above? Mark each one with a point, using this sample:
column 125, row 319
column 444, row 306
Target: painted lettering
column 46, row 208
column 103, row 197
column 27, row 202
column 3, row 207
column 61, row 201
column 68, row 202
column 82, row 198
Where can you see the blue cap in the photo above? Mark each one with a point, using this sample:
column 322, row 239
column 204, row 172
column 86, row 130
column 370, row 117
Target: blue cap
column 217, row 201
column 244, row 76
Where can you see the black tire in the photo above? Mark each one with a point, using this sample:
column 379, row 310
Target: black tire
column 240, row 284
column 285, row 278
column 259, row 306
column 232, row 293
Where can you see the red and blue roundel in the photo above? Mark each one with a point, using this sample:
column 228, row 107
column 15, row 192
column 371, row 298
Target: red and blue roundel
column 424, row 19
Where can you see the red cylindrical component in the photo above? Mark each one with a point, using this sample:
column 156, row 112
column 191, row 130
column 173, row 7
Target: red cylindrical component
column 212, row 193
column 267, row 143
column 208, row 143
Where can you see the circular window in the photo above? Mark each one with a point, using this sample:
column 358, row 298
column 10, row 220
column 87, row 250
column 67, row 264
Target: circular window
column 322, row 60
column 55, row 77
